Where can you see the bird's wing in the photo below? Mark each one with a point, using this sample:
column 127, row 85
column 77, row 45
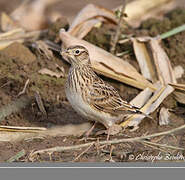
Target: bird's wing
column 104, row 97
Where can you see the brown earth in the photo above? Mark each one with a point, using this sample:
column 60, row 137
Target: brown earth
column 20, row 62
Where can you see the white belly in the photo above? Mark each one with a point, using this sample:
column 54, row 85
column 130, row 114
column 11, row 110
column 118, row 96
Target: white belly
column 85, row 110
column 77, row 103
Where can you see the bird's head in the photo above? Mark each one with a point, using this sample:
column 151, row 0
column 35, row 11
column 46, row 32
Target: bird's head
column 76, row 55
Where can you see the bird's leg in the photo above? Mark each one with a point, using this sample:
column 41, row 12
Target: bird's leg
column 90, row 130
column 112, row 130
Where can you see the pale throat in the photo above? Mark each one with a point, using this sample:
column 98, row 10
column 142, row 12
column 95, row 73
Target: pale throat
column 81, row 62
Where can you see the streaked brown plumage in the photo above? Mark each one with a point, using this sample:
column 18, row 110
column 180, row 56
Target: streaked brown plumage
column 89, row 95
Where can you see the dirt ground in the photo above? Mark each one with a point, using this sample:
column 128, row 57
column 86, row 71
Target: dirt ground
column 19, row 62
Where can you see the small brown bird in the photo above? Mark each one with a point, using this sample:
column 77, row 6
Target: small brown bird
column 89, row 95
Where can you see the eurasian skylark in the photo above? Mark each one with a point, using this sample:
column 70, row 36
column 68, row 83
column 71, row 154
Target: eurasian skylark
column 89, row 95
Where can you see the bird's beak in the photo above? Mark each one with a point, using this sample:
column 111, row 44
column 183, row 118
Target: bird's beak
column 65, row 55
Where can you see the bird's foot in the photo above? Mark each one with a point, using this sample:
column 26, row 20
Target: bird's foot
column 114, row 129
column 90, row 130
column 87, row 133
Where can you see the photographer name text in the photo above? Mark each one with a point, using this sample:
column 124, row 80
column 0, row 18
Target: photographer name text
column 159, row 157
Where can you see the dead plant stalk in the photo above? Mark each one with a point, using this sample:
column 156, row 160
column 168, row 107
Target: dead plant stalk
column 118, row 30
column 115, row 141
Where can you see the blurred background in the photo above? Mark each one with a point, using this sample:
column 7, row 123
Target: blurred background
column 70, row 8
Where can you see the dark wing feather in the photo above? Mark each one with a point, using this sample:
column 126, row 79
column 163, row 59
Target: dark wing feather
column 105, row 98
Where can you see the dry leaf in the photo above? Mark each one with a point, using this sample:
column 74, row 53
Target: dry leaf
column 141, row 99
column 10, row 37
column 179, row 93
column 31, row 15
column 144, row 60
column 153, row 103
column 107, row 64
column 22, row 129
column 12, row 34
column 178, row 86
column 88, row 13
column 51, row 73
column 17, row 35
column 7, row 23
column 81, row 30
column 164, row 116
column 162, row 63
column 139, row 10
column 179, row 96
column 178, row 71
column 15, row 133
column 15, row 136
column 23, row 133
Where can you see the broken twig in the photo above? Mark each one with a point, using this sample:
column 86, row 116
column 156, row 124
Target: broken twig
column 82, row 153
column 24, row 89
column 162, row 145
column 115, row 141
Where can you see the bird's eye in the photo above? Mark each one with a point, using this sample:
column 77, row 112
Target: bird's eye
column 77, row 52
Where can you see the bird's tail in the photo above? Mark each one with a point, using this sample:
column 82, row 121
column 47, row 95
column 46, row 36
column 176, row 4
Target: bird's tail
column 131, row 109
column 138, row 111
